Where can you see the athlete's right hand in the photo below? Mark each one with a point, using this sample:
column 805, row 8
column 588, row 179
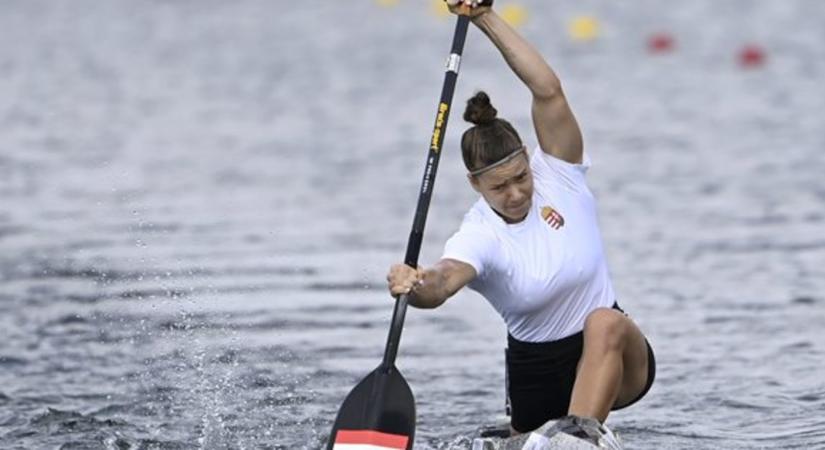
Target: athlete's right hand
column 402, row 279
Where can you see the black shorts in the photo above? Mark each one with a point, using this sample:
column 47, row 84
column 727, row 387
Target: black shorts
column 541, row 375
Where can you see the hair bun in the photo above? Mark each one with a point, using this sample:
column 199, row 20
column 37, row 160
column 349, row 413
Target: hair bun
column 479, row 109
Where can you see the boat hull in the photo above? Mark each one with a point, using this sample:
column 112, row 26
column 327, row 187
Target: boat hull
column 559, row 441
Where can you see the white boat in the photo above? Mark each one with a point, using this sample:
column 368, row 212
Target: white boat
column 539, row 440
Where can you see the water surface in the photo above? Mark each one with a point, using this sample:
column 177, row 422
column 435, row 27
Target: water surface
column 200, row 201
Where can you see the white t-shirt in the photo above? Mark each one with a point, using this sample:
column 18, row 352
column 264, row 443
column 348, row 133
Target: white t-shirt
column 545, row 274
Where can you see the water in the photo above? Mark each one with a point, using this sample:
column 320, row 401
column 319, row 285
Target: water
column 200, row 201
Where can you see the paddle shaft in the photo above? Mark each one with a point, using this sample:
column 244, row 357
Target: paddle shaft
column 427, row 183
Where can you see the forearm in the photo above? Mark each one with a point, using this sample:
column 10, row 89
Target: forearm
column 526, row 61
column 431, row 291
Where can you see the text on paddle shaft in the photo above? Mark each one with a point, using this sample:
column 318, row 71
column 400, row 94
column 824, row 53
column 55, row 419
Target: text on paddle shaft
column 439, row 124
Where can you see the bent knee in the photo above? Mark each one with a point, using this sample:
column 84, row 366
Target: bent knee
column 607, row 328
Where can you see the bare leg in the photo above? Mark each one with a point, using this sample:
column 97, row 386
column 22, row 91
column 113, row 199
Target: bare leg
column 613, row 367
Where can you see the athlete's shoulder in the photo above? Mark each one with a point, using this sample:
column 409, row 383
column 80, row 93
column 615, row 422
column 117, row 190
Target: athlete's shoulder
column 542, row 159
column 551, row 171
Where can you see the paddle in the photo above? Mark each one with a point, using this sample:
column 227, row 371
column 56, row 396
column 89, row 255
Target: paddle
column 379, row 413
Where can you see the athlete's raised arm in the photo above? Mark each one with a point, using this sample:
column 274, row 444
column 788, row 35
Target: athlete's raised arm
column 556, row 127
column 429, row 288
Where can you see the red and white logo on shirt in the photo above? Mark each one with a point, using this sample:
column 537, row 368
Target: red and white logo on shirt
column 552, row 217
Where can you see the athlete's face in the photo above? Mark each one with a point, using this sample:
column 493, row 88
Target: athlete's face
column 508, row 188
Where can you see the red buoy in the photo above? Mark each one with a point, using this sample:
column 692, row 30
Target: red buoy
column 660, row 43
column 751, row 56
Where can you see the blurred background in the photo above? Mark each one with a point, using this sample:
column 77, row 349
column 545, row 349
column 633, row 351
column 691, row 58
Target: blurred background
column 199, row 201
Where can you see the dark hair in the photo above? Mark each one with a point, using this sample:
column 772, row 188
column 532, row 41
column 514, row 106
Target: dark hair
column 491, row 139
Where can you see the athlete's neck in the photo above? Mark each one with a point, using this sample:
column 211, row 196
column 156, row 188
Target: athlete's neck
column 508, row 220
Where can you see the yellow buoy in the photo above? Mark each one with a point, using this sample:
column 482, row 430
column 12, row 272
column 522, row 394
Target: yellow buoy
column 386, row 3
column 583, row 28
column 439, row 8
column 513, row 14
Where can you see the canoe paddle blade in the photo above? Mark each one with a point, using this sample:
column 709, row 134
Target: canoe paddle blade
column 379, row 414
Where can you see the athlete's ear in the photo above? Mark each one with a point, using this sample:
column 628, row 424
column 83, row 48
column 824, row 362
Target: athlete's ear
column 474, row 182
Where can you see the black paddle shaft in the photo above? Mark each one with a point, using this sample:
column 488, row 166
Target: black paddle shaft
column 426, row 192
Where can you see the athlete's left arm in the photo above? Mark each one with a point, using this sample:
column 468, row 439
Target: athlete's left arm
column 556, row 127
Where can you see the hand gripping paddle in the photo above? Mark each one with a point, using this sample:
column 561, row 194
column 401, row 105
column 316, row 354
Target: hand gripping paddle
column 379, row 413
